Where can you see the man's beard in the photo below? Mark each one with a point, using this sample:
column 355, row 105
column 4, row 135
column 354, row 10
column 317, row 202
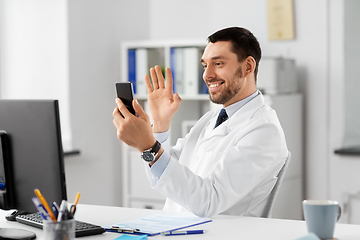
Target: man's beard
column 228, row 92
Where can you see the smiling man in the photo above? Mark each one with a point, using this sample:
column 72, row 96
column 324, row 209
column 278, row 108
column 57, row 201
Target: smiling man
column 223, row 73
column 228, row 162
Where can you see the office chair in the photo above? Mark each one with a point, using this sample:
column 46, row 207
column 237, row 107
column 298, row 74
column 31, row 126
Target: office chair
column 274, row 192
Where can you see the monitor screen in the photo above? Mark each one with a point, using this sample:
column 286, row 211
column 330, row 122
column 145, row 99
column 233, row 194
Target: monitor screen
column 36, row 155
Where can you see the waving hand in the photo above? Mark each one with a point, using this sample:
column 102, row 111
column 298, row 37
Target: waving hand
column 163, row 103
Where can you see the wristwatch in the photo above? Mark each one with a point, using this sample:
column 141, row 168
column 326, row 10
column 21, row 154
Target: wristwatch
column 150, row 154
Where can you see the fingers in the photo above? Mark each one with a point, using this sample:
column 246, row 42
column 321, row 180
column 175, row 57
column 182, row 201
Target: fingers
column 139, row 110
column 160, row 77
column 154, row 78
column 158, row 80
column 157, row 77
column 122, row 112
column 169, row 79
column 117, row 119
column 177, row 98
column 177, row 101
column 148, row 84
column 116, row 115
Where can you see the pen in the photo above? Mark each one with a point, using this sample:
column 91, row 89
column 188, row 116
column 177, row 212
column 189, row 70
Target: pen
column 55, row 209
column 62, row 210
column 40, row 208
column 44, row 203
column 123, row 229
column 173, row 233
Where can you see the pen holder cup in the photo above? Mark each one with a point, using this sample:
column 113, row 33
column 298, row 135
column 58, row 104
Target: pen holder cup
column 64, row 230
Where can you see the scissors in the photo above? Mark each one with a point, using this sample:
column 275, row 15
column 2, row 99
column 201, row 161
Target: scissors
column 73, row 207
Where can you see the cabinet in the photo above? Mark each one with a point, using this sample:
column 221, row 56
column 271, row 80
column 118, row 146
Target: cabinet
column 289, row 107
column 136, row 188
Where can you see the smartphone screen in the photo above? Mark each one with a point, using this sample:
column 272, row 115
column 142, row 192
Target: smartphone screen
column 124, row 91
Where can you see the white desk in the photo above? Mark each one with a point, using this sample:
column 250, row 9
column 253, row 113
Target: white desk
column 222, row 227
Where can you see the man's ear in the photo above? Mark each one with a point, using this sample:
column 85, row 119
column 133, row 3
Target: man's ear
column 250, row 65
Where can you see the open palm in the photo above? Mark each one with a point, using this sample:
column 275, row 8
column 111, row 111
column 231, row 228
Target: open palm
column 163, row 103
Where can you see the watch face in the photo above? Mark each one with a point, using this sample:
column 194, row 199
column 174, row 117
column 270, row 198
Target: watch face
column 147, row 156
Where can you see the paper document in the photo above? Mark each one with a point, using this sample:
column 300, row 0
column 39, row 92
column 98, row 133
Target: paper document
column 158, row 223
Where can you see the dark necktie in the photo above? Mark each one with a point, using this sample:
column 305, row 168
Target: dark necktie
column 221, row 118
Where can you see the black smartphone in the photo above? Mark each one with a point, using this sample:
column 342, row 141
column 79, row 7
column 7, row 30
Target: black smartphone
column 124, row 91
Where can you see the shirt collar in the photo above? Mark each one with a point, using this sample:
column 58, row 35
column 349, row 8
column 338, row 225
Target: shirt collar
column 230, row 110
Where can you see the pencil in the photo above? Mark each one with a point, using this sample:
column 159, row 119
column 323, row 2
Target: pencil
column 77, row 198
column 44, row 203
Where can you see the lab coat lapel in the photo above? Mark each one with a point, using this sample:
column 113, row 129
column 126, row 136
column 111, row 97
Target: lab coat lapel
column 240, row 117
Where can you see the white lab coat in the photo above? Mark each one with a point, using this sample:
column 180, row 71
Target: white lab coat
column 230, row 169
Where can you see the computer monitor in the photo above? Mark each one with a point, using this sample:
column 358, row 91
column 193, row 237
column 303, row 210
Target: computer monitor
column 33, row 152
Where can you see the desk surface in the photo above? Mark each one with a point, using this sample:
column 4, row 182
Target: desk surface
column 222, row 227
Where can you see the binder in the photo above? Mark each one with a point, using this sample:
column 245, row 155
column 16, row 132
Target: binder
column 141, row 70
column 191, row 71
column 177, row 68
column 132, row 68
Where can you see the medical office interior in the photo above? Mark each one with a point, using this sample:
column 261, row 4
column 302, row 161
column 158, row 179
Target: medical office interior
column 75, row 51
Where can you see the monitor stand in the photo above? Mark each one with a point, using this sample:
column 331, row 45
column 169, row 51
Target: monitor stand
column 18, row 234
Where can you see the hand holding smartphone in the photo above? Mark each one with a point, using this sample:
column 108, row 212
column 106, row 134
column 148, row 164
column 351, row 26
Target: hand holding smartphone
column 124, row 91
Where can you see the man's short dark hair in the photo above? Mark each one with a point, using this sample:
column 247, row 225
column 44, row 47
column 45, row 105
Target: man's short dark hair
column 244, row 43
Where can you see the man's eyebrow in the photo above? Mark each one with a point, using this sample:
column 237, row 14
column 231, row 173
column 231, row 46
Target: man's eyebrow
column 214, row 58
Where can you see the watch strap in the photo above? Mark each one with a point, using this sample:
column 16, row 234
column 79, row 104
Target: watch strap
column 155, row 149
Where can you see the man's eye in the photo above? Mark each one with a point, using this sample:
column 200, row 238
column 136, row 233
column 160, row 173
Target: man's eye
column 204, row 66
column 218, row 64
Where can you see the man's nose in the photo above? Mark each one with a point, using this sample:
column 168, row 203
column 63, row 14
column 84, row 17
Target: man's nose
column 209, row 73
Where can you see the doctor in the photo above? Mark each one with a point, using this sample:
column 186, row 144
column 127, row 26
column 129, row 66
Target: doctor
column 228, row 168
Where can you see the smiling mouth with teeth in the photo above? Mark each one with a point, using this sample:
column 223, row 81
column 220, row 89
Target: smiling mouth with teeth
column 214, row 86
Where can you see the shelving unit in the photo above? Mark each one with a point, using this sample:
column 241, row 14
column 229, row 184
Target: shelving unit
column 136, row 187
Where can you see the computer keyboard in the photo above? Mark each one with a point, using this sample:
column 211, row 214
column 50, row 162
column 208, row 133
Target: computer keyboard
column 81, row 228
